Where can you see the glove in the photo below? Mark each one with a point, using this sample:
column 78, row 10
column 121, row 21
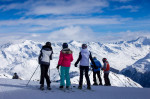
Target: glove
column 91, row 69
column 58, row 66
column 75, row 65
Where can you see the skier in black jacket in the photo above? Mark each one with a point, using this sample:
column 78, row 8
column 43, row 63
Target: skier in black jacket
column 44, row 61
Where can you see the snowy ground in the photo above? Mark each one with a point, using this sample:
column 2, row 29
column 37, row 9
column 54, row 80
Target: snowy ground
column 16, row 89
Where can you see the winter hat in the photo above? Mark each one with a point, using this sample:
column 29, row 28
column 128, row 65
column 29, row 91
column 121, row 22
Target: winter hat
column 65, row 45
column 48, row 43
column 84, row 46
column 104, row 59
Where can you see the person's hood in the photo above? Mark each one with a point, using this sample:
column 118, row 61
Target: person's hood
column 66, row 51
column 84, row 50
column 45, row 47
column 94, row 59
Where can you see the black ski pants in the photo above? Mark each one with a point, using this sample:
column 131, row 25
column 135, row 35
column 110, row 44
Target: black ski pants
column 106, row 78
column 98, row 75
column 44, row 74
column 86, row 70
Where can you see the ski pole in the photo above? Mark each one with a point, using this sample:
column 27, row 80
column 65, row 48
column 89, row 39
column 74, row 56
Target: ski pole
column 32, row 75
column 58, row 72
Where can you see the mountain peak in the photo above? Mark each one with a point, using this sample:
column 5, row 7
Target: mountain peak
column 6, row 45
column 76, row 43
column 141, row 40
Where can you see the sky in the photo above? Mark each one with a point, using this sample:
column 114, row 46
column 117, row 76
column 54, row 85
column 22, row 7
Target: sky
column 80, row 20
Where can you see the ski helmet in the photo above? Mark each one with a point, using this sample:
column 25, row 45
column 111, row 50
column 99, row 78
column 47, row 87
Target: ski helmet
column 65, row 45
column 84, row 46
column 48, row 43
column 104, row 59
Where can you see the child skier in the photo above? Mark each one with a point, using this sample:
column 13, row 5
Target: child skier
column 96, row 71
column 84, row 57
column 44, row 61
column 106, row 69
column 65, row 60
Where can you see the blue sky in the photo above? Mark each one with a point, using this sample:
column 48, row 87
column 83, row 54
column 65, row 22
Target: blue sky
column 61, row 20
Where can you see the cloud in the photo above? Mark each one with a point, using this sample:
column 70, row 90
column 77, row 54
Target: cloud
column 123, row 36
column 68, row 19
column 130, row 7
column 78, row 33
column 73, row 33
column 63, row 22
column 65, row 34
column 130, row 35
column 70, row 7
column 44, row 25
column 17, row 37
column 40, row 7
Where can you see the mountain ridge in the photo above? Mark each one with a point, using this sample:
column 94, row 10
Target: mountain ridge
column 139, row 71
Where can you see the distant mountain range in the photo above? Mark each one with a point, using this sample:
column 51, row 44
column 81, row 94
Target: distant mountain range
column 22, row 57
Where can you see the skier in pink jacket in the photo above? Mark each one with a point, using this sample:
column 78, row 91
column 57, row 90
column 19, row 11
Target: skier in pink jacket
column 65, row 60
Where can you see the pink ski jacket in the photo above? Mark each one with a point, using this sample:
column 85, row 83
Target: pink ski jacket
column 65, row 57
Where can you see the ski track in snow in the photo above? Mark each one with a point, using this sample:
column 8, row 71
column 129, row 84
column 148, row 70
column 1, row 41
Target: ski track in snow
column 16, row 89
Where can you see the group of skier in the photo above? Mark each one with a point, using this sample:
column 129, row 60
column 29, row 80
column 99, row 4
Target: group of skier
column 64, row 63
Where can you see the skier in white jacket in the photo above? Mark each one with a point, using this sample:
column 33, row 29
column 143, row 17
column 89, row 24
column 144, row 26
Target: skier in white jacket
column 84, row 57
column 44, row 61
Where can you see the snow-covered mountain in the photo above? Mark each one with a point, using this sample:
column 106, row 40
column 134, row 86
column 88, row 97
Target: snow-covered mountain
column 22, row 57
column 139, row 71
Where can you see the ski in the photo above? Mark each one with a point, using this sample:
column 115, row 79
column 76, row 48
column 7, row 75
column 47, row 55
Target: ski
column 67, row 90
column 46, row 90
column 70, row 89
column 62, row 89
column 83, row 90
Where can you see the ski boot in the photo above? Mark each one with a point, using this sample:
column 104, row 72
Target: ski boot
column 100, row 84
column 61, row 87
column 48, row 87
column 67, row 87
column 89, row 87
column 79, row 87
column 42, row 87
column 95, row 84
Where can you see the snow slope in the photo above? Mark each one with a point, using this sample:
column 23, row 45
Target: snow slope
column 139, row 71
column 115, row 79
column 16, row 89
